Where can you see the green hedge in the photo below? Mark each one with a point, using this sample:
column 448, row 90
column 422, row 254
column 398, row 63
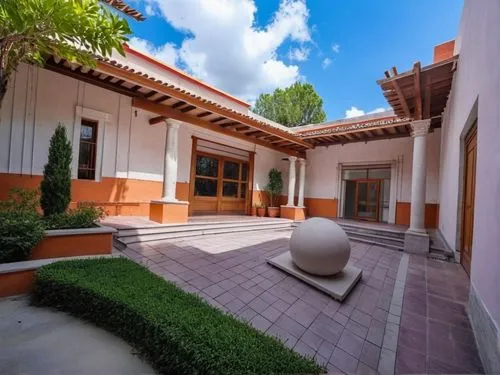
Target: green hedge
column 177, row 332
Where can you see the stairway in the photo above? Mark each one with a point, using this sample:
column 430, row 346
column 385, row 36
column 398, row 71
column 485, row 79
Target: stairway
column 392, row 238
column 126, row 237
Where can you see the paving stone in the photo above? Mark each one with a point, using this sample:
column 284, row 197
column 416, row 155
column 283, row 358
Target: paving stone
column 312, row 339
column 260, row 323
column 357, row 328
column 370, row 354
column 271, row 313
column 351, row 343
column 361, row 318
column 344, row 361
column 290, row 325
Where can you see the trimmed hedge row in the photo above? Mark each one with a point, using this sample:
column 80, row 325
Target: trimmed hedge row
column 175, row 331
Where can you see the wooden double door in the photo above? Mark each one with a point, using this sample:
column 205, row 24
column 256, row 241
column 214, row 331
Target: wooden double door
column 367, row 199
column 220, row 184
column 468, row 198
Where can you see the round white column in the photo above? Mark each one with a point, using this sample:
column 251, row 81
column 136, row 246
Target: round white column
column 420, row 129
column 171, row 155
column 302, row 182
column 291, row 181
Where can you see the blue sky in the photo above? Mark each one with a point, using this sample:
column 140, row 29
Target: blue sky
column 247, row 47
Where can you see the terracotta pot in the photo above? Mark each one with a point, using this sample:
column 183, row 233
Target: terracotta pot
column 273, row 211
column 261, row 211
column 253, row 211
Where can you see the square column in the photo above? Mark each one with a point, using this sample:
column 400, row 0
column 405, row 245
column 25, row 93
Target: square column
column 169, row 209
column 416, row 237
column 290, row 211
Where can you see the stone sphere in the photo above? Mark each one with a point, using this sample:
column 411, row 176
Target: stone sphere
column 320, row 247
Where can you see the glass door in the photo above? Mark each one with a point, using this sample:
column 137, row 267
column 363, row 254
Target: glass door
column 367, row 199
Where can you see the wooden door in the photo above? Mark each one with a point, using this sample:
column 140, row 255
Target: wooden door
column 367, row 200
column 221, row 184
column 468, row 202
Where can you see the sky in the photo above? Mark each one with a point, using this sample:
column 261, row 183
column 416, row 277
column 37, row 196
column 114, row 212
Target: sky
column 341, row 47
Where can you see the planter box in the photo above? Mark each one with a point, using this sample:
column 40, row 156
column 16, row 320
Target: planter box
column 19, row 277
column 74, row 242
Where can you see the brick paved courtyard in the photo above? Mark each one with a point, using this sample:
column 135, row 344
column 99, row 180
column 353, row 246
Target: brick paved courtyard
column 230, row 272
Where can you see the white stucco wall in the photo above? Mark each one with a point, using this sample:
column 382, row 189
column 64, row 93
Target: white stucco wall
column 476, row 79
column 322, row 172
column 39, row 99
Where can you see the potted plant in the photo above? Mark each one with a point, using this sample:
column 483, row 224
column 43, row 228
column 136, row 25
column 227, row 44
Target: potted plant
column 253, row 210
column 261, row 210
column 273, row 189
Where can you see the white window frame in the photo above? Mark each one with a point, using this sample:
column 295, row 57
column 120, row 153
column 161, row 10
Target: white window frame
column 102, row 119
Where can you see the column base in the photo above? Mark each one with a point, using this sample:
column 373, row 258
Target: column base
column 293, row 212
column 165, row 212
column 416, row 242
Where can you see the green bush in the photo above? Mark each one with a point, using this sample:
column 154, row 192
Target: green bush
column 81, row 217
column 274, row 186
column 56, row 183
column 177, row 332
column 20, row 231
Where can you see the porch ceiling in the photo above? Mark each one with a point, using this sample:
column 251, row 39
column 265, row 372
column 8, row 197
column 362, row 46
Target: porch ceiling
column 420, row 93
column 169, row 101
column 123, row 7
column 352, row 131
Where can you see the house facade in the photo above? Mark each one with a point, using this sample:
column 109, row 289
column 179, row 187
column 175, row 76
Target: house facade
column 149, row 140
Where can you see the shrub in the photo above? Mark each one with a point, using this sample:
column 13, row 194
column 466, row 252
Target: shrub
column 274, row 186
column 19, row 199
column 81, row 217
column 20, row 231
column 176, row 331
column 56, row 183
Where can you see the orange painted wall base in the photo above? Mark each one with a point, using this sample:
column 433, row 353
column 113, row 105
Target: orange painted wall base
column 403, row 211
column 73, row 245
column 13, row 283
column 168, row 212
column 293, row 213
column 321, row 207
column 117, row 196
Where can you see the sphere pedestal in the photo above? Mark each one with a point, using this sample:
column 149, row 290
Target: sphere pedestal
column 319, row 253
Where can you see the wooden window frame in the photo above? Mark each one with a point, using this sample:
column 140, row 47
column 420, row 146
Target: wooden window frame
column 92, row 166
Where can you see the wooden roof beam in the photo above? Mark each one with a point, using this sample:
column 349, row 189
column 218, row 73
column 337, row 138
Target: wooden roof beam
column 165, row 111
column 418, row 95
column 401, row 98
column 197, row 101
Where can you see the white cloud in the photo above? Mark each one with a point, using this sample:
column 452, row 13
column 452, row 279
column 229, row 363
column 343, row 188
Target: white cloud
column 336, row 47
column 298, row 54
column 356, row 112
column 326, row 62
column 149, row 10
column 166, row 53
column 225, row 47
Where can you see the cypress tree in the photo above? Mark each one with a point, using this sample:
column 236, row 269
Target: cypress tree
column 56, row 183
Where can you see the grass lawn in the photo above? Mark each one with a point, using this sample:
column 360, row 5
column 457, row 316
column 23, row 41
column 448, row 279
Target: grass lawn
column 175, row 331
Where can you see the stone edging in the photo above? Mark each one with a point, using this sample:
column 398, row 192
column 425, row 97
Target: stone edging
column 100, row 229
column 387, row 362
column 34, row 264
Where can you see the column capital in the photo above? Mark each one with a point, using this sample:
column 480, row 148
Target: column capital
column 292, row 159
column 302, row 161
column 420, row 128
column 171, row 123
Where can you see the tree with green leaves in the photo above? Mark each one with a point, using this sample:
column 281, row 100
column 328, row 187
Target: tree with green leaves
column 75, row 30
column 296, row 105
column 56, row 183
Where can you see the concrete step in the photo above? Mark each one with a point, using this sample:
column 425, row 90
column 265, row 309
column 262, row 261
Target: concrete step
column 200, row 231
column 380, row 238
column 171, row 228
column 377, row 243
column 386, row 232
